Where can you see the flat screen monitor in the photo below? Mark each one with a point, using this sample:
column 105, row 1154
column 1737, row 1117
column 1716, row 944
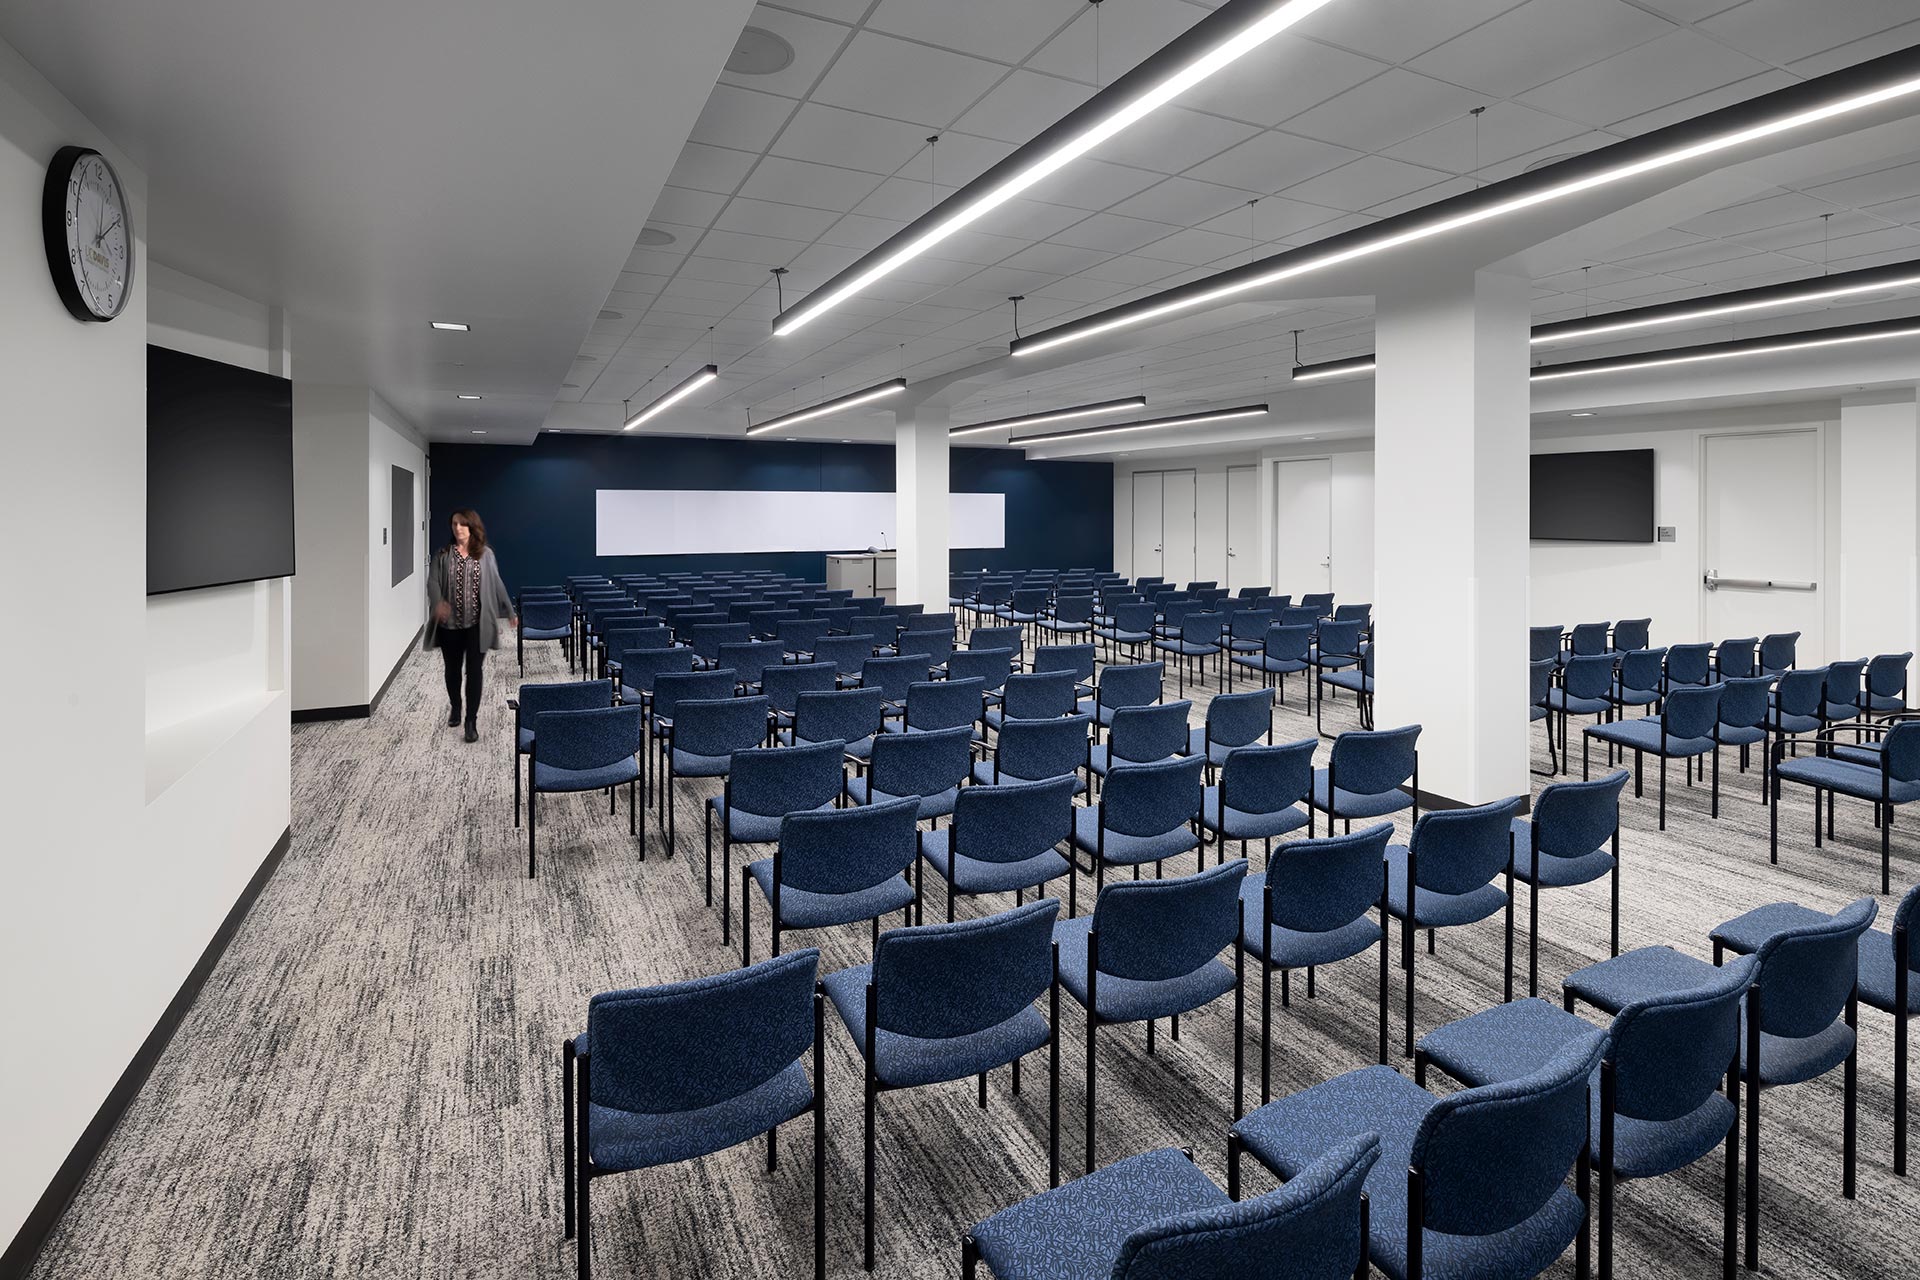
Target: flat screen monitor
column 219, row 473
column 1602, row 496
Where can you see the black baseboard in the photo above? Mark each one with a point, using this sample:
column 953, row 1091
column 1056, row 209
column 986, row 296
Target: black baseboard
column 27, row 1242
column 1432, row 800
column 360, row 710
column 405, row 653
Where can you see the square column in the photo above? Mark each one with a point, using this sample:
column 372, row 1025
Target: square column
column 920, row 482
column 1879, row 596
column 1451, row 429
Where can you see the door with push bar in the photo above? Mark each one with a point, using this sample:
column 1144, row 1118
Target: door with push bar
column 1763, row 523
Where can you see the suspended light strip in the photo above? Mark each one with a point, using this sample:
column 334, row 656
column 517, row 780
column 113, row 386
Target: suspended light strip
column 1899, row 275
column 1152, row 424
column 1333, row 369
column 825, row 407
column 673, row 397
column 1057, row 415
column 1813, row 339
column 1839, row 93
column 1215, row 42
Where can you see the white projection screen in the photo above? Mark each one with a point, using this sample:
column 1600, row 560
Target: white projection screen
column 672, row 522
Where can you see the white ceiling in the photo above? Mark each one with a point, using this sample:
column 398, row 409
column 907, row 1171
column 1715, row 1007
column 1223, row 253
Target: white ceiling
column 372, row 166
column 1361, row 112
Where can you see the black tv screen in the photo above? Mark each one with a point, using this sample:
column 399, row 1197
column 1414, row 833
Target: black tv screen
column 219, row 473
column 1604, row 496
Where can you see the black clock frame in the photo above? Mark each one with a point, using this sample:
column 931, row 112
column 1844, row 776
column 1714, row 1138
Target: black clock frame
column 53, row 227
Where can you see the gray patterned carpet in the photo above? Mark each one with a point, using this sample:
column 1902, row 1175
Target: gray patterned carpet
column 369, row 1084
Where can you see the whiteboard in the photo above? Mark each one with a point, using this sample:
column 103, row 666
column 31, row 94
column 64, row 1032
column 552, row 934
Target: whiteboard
column 669, row 522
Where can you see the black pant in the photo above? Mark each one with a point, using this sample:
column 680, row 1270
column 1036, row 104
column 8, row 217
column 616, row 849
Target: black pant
column 458, row 644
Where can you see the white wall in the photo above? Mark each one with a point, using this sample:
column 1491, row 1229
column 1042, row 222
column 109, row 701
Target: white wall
column 1879, row 470
column 330, row 434
column 394, row 613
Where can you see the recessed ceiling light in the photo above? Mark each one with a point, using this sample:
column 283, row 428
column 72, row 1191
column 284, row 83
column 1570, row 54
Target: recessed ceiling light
column 1309, row 437
column 612, row 315
column 479, row 433
column 448, row 326
column 1581, row 413
column 654, row 237
column 759, row 52
column 465, row 396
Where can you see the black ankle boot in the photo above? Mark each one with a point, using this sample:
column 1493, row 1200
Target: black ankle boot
column 453, row 716
column 473, row 729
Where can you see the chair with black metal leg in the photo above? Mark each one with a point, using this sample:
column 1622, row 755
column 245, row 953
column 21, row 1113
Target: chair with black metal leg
column 1737, row 659
column 1889, row 981
column 762, row 787
column 1585, row 689
column 1336, row 647
column 1778, row 652
column 1259, row 795
column 1285, row 653
column 1887, row 683
column 1142, row 735
column 833, row 867
column 1571, row 838
column 576, row 751
column 1370, row 773
column 1131, row 684
column 530, row 700
column 1540, row 674
column 1687, row 728
column 1629, row 634
column 1886, row 777
column 1743, row 721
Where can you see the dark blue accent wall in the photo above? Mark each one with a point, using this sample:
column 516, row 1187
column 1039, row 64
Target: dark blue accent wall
column 538, row 501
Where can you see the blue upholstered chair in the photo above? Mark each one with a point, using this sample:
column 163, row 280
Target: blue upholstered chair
column 1142, row 735
column 1886, row 777
column 929, row 767
column 798, row 636
column 1312, row 906
column 1070, row 616
column 749, row 660
column 701, row 743
column 1357, row 681
column 1656, row 1106
column 1284, row 653
column 624, row 636
column 1246, row 635
column 1445, row 876
column 1637, row 677
column 1145, row 814
column 763, row 786
column 834, row 866
column 1543, row 643
column 847, row 653
column 1076, row 658
column 591, row 750
column 1470, row 1185
column 851, row 716
column 1027, row 606
column 1258, row 795
column 1794, row 707
column 1365, row 771
column 1736, row 658
column 1887, row 683
column 784, row 684
column 634, row 670
column 1778, row 652
column 1012, row 639
column 1743, row 714
column 931, row 644
column 1322, row 601
column 1540, row 673
column 530, row 700
column 1687, row 728
column 894, row 676
column 707, row 639
column 1336, row 647
column 1845, row 696
column 1128, row 684
column 1888, row 965
column 943, row 704
column 1629, row 634
column 1156, row 1216
column 1234, row 720
column 1200, row 637
column 947, row 1001
column 1571, row 838
column 1029, row 750
column 1149, row 951
column 1034, row 695
column 1587, row 639
column 544, row 620
column 1131, row 628
column 670, row 689
column 1585, row 689
column 1003, row 838
column 991, row 667
column 665, row 1074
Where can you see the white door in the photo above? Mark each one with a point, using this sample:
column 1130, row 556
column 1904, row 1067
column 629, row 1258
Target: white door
column 1243, row 525
column 1303, row 526
column 1179, row 529
column 1146, row 524
column 1763, row 517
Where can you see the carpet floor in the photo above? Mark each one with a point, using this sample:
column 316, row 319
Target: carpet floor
column 369, row 1083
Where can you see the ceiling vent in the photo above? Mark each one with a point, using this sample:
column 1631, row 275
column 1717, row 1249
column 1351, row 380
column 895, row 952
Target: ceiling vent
column 759, row 52
column 654, row 238
column 613, row 315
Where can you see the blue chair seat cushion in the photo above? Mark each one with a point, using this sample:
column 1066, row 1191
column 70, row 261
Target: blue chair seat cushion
column 619, row 1140
column 1793, row 724
column 1861, row 781
column 1290, row 1133
column 1536, row 712
column 983, row 774
column 1076, row 1231
column 1559, row 700
column 1266, row 662
column 903, row 1061
column 861, row 750
column 1798, row 1059
column 1745, row 934
column 1644, row 735
column 978, row 875
column 1741, row 735
column 1100, row 759
column 1129, row 850
column 1244, row 824
column 1635, row 697
column 547, row 777
column 1191, row 649
column 1432, row 909
column 1886, row 702
column 801, row 909
column 1877, row 969
column 1358, row 681
column 860, row 791
column 545, row 633
column 1293, row 949
column 688, row 765
column 752, row 828
column 1216, row 752
column 1353, row 804
column 1118, row 636
column 1863, row 753
column 1612, row 985
column 1065, row 628
column 1134, row 999
column 1555, row 872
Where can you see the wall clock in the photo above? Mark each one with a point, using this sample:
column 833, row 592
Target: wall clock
column 88, row 225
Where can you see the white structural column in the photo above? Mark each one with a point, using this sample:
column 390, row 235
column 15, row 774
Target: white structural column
column 1879, row 540
column 920, row 484
column 1450, row 524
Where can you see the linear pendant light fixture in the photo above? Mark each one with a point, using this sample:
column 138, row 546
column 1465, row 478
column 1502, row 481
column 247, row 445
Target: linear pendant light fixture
column 1152, row 424
column 1215, row 42
column 1768, row 344
column 686, row 388
column 892, row 387
column 1332, row 369
column 1054, row 415
column 1839, row 93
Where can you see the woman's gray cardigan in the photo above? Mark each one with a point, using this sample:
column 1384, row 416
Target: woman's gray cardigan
column 495, row 603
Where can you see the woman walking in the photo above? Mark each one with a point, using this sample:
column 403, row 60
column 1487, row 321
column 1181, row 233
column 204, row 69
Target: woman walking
column 468, row 601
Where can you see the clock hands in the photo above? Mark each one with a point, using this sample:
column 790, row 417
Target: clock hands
column 107, row 231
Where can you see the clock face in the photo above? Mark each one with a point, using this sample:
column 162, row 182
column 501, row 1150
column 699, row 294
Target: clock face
column 94, row 237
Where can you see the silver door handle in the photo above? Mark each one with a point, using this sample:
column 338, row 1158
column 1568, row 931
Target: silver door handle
column 1325, row 563
column 1159, row 548
column 1231, row 553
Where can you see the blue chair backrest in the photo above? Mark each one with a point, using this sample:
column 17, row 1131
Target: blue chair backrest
column 1492, row 1157
column 941, row 981
column 751, row 659
column 1313, row 1223
column 945, row 704
column 545, row 615
column 1152, row 930
column 1267, row 779
column 881, row 626
column 719, row 726
column 1572, row 819
column 1009, row 638
column 1640, row 670
column 894, row 676
column 640, row 668
column 801, row 634
column 1143, row 734
column 766, row 623
column 1030, row 749
column 567, row 695
column 1073, row 608
column 1317, row 600
column 1670, row 1052
column 783, row 684
column 1370, row 762
column 771, row 782
column 1012, row 821
column 1038, row 695
column 1901, row 748
column 1289, row 642
column 1240, row 719
column 847, row 653
column 1738, row 658
column 837, row 617
column 994, row 591
column 1300, row 615
column 1588, row 638
column 921, row 764
column 1134, row 619
column 1807, row 972
column 1074, row 658
column 648, row 635
column 1251, row 624
column 935, row 646
column 1691, row 711
column 1906, row 918
column 1887, row 674
column 913, row 620
column 1797, row 693
column 1203, row 628
column 1135, row 684
column 1589, row 676
column 1743, row 701
column 708, row 639
column 691, row 1045
column 1029, row 600
column 586, row 739
column 1778, row 651
column 1631, row 633
column 1360, row 613
column 1843, row 696
column 1689, row 664
column 847, row 714
column 847, row 850
column 1152, row 799
column 1460, row 850
column 1540, row 680
column 670, row 689
column 1318, row 886
column 991, row 666
column 1543, row 642
column 1339, row 639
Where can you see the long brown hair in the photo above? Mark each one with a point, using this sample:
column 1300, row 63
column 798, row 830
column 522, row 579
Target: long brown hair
column 476, row 531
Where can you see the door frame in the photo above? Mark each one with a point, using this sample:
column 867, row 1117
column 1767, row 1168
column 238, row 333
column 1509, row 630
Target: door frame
column 1270, row 541
column 1818, row 430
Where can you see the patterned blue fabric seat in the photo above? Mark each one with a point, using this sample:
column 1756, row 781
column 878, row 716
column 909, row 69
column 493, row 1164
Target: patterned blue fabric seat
column 1858, row 777
column 1612, row 985
column 1247, row 824
column 1573, row 838
column 928, row 767
column 1323, row 895
column 623, row 1140
column 1135, row 999
column 1432, row 908
column 553, row 777
column 763, row 786
column 836, row 866
column 804, row 909
column 907, row 1061
column 1644, row 734
column 1234, row 720
column 1144, row 813
column 1003, row 837
column 1142, row 735
column 1747, row 933
column 1556, row 872
column 1365, row 772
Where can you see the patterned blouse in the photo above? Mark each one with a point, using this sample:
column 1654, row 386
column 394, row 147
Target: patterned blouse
column 465, row 590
